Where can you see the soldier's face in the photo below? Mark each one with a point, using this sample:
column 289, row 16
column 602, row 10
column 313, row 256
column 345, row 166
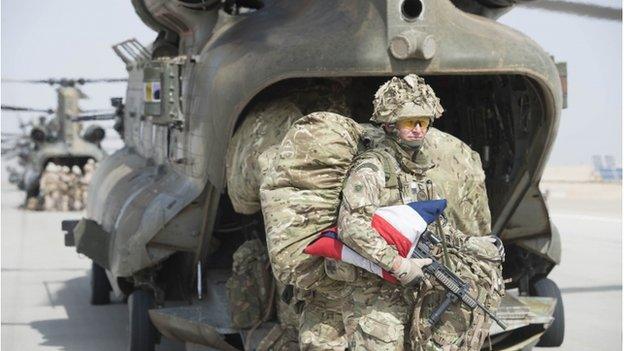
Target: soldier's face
column 412, row 129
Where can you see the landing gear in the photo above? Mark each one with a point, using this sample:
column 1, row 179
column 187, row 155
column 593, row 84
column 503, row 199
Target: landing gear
column 100, row 286
column 143, row 334
column 553, row 336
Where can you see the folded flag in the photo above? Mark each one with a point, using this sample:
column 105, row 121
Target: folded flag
column 329, row 246
column 399, row 225
column 402, row 225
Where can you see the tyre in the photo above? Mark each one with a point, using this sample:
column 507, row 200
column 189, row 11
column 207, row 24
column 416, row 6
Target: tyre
column 553, row 336
column 100, row 286
column 142, row 331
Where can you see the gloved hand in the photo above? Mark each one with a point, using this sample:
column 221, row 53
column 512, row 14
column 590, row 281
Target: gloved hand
column 499, row 245
column 409, row 270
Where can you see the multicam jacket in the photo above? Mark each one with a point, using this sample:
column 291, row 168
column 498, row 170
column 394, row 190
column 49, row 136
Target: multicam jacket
column 385, row 176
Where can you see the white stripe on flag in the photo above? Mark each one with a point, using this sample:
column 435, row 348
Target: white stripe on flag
column 354, row 258
column 404, row 219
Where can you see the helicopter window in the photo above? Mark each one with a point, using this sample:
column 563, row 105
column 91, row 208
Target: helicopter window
column 411, row 9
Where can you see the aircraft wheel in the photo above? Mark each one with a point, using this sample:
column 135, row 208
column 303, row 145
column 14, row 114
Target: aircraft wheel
column 100, row 286
column 553, row 336
column 142, row 331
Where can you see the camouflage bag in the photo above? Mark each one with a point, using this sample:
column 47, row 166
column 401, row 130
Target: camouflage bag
column 249, row 289
column 300, row 194
column 264, row 126
column 478, row 262
column 459, row 177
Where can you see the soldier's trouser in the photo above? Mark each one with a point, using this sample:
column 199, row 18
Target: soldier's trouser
column 379, row 314
column 322, row 326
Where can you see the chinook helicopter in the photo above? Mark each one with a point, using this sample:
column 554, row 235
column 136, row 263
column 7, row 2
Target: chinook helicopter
column 159, row 224
column 57, row 136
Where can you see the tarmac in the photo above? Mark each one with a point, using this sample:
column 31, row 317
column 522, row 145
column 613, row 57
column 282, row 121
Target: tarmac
column 45, row 286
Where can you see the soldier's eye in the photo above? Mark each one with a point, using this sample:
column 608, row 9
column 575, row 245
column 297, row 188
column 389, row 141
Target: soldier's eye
column 411, row 123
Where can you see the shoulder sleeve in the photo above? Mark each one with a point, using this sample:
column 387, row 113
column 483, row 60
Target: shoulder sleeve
column 364, row 183
column 360, row 198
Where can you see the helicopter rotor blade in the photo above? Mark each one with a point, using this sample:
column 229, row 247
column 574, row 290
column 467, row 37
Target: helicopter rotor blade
column 97, row 110
column 576, row 8
column 32, row 81
column 95, row 117
column 26, row 109
column 104, row 80
column 65, row 82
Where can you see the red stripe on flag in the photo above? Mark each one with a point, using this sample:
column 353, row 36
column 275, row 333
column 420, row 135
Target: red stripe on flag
column 389, row 277
column 325, row 247
column 391, row 235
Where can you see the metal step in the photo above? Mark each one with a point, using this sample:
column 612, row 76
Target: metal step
column 194, row 324
column 521, row 311
column 205, row 321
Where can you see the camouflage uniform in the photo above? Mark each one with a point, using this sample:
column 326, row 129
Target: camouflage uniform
column 380, row 309
column 249, row 155
column 65, row 189
column 263, row 129
column 379, row 312
column 459, row 177
column 330, row 316
column 284, row 336
column 462, row 174
column 300, row 198
column 319, row 326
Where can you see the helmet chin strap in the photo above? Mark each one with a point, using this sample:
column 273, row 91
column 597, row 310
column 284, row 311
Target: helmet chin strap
column 411, row 144
column 408, row 145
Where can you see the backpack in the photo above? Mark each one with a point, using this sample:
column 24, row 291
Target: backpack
column 301, row 192
column 263, row 127
column 250, row 287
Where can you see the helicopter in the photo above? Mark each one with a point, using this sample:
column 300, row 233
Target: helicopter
column 17, row 145
column 57, row 136
column 159, row 224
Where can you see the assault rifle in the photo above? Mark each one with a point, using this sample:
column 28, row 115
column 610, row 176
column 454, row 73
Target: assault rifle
column 456, row 288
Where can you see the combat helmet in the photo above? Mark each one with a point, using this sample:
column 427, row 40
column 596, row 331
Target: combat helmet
column 405, row 97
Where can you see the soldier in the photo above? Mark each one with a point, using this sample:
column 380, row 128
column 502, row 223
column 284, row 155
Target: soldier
column 377, row 313
column 325, row 310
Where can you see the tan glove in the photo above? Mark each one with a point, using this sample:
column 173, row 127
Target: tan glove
column 499, row 245
column 408, row 271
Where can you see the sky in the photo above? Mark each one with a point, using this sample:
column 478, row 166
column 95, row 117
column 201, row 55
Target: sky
column 592, row 123
column 65, row 39
column 73, row 38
